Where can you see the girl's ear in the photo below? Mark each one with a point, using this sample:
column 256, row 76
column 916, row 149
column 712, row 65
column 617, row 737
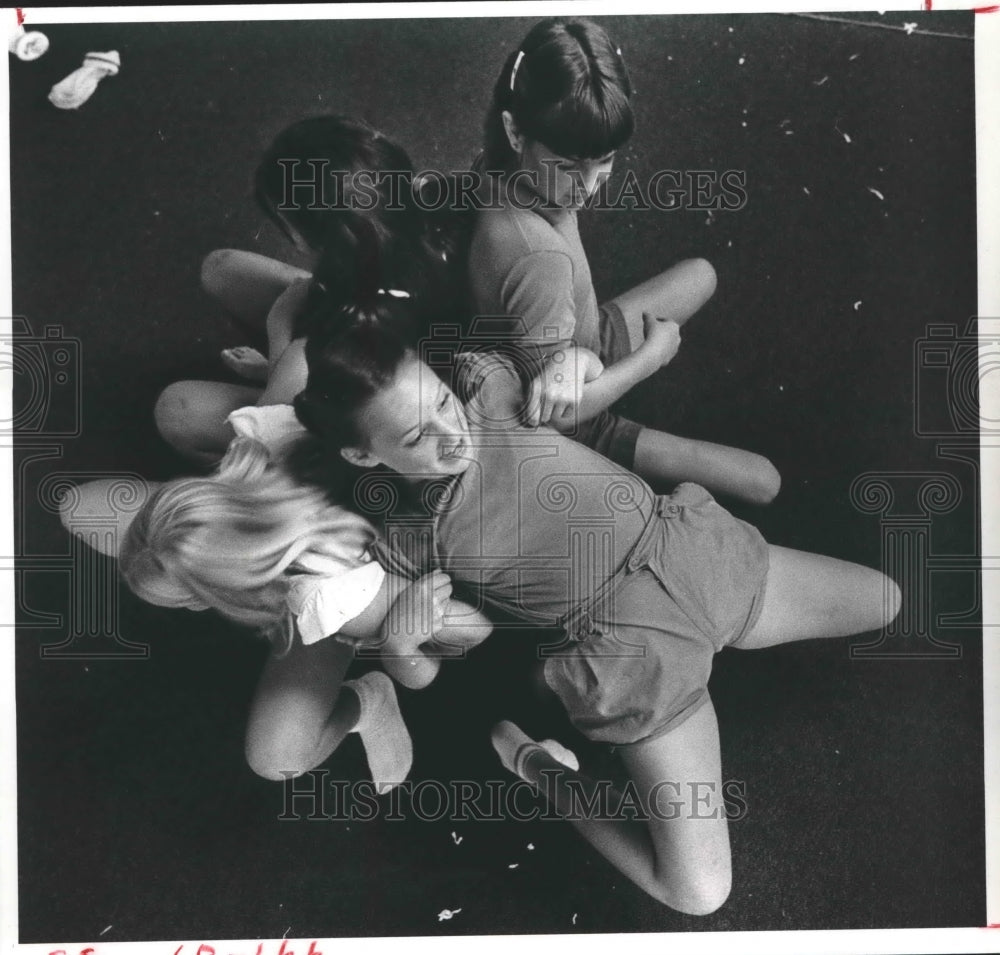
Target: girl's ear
column 514, row 137
column 359, row 458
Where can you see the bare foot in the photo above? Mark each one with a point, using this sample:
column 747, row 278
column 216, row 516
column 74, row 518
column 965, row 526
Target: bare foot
column 247, row 362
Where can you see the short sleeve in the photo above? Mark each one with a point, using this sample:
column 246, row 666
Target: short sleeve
column 539, row 290
column 492, row 390
column 275, row 426
column 322, row 604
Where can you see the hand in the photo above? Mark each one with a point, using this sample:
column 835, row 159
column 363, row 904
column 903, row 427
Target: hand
column 417, row 614
column 558, row 390
column 662, row 338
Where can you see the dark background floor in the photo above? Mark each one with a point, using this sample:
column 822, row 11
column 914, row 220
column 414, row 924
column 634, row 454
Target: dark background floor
column 863, row 777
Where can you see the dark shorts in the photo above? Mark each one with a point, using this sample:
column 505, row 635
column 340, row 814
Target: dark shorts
column 641, row 654
column 608, row 433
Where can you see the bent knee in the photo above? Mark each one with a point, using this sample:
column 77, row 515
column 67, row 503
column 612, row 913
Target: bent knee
column 703, row 898
column 279, row 760
column 172, row 414
column 893, row 600
column 703, row 277
column 213, row 269
column 767, row 483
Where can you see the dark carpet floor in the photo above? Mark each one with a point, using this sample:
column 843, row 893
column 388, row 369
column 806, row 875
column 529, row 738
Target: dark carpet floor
column 862, row 774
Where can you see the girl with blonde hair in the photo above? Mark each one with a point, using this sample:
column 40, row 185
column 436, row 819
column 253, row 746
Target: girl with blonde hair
column 266, row 552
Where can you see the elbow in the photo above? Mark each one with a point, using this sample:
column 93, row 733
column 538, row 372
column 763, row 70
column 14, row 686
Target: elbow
column 413, row 674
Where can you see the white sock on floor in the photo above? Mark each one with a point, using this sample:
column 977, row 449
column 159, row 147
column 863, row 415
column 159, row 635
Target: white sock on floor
column 76, row 89
column 383, row 733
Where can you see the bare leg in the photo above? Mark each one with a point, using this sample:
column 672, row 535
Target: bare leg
column 810, row 596
column 299, row 714
column 680, row 856
column 303, row 709
column 191, row 416
column 100, row 512
column 245, row 283
column 675, row 294
column 663, row 458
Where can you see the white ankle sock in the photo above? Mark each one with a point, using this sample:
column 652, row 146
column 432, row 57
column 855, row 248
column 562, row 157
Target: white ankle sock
column 513, row 746
column 383, row 733
column 76, row 89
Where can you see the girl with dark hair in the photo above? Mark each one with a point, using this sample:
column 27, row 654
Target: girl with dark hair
column 356, row 213
column 265, row 551
column 647, row 588
column 559, row 114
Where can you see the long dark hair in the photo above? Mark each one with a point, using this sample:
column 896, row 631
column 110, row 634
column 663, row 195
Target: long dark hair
column 567, row 87
column 351, row 358
column 339, row 148
column 352, row 353
column 368, row 215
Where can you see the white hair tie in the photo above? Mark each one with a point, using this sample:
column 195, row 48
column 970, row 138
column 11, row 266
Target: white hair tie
column 513, row 72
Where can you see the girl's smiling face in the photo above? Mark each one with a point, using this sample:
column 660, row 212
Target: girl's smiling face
column 414, row 426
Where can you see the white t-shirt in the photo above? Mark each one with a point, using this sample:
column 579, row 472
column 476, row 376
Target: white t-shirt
column 333, row 587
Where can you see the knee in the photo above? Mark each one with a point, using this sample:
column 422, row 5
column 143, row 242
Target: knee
column 171, row 414
column 703, row 898
column 893, row 600
column 767, row 482
column 703, row 277
column 213, row 270
column 280, row 758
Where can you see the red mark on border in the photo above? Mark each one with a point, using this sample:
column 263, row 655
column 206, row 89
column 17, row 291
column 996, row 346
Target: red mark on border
column 929, row 3
column 20, row 17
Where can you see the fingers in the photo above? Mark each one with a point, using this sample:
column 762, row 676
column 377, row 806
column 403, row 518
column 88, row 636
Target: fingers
column 534, row 407
column 442, row 588
column 545, row 412
column 561, row 409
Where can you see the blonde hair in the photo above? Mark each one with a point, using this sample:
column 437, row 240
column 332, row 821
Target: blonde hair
column 232, row 541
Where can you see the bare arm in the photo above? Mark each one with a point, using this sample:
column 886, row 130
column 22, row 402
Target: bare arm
column 287, row 370
column 574, row 386
column 287, row 377
column 412, row 625
column 604, row 385
column 412, row 658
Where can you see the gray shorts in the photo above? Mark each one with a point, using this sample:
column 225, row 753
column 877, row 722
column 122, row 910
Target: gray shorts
column 641, row 652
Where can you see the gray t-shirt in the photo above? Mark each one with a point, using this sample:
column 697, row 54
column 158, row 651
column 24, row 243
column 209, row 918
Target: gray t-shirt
column 530, row 264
